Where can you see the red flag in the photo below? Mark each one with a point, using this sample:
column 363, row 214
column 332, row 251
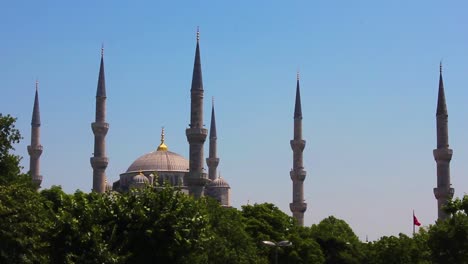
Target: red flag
column 415, row 221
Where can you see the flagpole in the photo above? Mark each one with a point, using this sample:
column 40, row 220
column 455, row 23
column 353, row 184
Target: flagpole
column 413, row 224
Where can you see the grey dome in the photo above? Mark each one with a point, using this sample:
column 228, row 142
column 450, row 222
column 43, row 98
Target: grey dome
column 140, row 178
column 160, row 161
column 219, row 183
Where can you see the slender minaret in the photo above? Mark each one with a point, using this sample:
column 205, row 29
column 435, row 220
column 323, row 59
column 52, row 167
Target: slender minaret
column 35, row 149
column 298, row 174
column 196, row 178
column 99, row 161
column 212, row 161
column 442, row 154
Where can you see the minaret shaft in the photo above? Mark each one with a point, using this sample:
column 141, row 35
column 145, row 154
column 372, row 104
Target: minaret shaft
column 212, row 161
column 442, row 154
column 196, row 178
column 35, row 149
column 298, row 174
column 99, row 161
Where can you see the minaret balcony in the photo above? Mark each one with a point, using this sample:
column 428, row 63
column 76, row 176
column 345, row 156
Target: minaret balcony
column 35, row 151
column 99, row 162
column 37, row 179
column 195, row 134
column 444, row 193
column 298, row 144
column 298, row 175
column 298, row 207
column 100, row 128
column 212, row 162
column 196, row 179
column 443, row 154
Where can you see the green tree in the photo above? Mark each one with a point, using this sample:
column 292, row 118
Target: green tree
column 448, row 239
column 267, row 222
column 230, row 242
column 10, row 170
column 338, row 241
column 24, row 225
column 401, row 249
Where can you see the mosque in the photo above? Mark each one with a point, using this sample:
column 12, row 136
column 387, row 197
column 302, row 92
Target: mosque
column 163, row 166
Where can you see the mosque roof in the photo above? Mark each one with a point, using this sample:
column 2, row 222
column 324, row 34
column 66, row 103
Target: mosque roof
column 160, row 160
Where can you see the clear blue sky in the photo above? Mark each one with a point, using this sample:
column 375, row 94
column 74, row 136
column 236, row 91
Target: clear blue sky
column 369, row 76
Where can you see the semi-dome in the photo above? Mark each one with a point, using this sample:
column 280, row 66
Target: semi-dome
column 160, row 160
column 219, row 183
column 140, row 178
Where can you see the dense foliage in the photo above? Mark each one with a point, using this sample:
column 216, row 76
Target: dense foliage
column 166, row 226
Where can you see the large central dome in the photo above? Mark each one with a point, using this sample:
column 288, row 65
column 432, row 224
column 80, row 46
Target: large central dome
column 160, row 160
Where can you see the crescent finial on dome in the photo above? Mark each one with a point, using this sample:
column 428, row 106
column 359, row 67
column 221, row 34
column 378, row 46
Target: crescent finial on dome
column 162, row 146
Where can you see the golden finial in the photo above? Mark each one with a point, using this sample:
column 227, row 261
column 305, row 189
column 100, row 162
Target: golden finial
column 162, row 146
column 198, row 33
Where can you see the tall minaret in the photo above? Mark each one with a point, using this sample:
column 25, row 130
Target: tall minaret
column 196, row 178
column 99, row 161
column 298, row 174
column 442, row 154
column 213, row 159
column 35, row 149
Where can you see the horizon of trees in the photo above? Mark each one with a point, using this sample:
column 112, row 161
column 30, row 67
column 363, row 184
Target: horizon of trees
column 149, row 225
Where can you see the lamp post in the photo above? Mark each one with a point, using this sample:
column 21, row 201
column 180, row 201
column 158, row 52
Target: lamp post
column 277, row 245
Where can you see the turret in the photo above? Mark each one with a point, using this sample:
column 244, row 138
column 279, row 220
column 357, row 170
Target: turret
column 35, row 149
column 99, row 161
column 442, row 154
column 298, row 174
column 196, row 178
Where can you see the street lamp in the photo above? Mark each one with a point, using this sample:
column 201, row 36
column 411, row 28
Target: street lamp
column 284, row 243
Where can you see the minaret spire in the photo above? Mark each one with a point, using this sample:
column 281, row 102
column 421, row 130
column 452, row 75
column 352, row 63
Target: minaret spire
column 99, row 161
column 212, row 161
column 196, row 178
column 35, row 149
column 298, row 174
column 442, row 154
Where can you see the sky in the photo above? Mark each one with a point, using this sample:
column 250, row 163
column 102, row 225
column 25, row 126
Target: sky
column 369, row 77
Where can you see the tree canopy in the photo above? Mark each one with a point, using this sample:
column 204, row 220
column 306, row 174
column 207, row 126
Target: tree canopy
column 163, row 225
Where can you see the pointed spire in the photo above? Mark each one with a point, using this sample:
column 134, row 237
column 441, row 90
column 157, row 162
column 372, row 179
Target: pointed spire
column 101, row 87
column 197, row 81
column 36, row 116
column 213, row 121
column 297, row 107
column 441, row 104
column 162, row 146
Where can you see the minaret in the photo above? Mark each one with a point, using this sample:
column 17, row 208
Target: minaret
column 212, row 161
column 196, row 178
column 35, row 149
column 298, row 174
column 442, row 154
column 99, row 161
